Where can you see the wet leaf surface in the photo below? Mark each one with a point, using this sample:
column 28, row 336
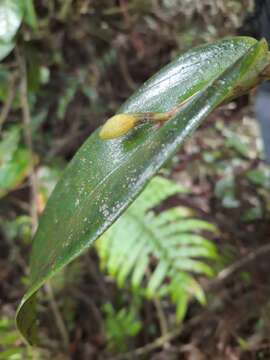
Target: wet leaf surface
column 104, row 177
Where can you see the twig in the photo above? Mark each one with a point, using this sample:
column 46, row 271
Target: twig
column 236, row 266
column 125, row 72
column 159, row 342
column 28, row 137
column 21, row 204
column 9, row 100
column 126, row 16
column 161, row 317
column 65, row 9
column 160, row 313
column 92, row 271
column 79, row 295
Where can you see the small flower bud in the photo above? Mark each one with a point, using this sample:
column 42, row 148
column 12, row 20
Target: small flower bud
column 118, row 125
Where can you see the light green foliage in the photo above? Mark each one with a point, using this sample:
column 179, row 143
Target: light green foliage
column 10, row 19
column 84, row 84
column 9, row 144
column 5, row 49
column 30, row 16
column 11, row 346
column 68, row 96
column 18, row 228
column 168, row 242
column 12, row 13
column 259, row 177
column 4, row 83
column 254, row 213
column 120, row 325
column 14, row 161
column 236, row 140
column 228, row 156
column 47, row 179
column 236, row 179
column 225, row 191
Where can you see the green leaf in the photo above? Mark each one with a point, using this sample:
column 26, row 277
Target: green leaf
column 104, row 177
column 5, row 49
column 9, row 144
column 252, row 214
column 225, row 191
column 182, row 287
column 13, row 172
column 120, row 325
column 14, row 161
column 259, row 177
column 30, row 16
column 11, row 13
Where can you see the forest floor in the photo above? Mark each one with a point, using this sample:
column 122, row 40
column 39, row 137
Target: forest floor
column 84, row 60
column 228, row 186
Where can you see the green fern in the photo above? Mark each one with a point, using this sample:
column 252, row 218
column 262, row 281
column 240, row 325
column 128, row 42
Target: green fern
column 120, row 326
column 157, row 253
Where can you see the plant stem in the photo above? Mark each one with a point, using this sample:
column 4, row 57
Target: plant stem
column 57, row 314
column 9, row 100
column 28, row 137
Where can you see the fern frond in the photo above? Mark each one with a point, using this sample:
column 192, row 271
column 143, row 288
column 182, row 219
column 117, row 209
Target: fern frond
column 167, row 246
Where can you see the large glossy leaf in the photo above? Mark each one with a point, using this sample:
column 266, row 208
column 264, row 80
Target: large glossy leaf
column 104, row 177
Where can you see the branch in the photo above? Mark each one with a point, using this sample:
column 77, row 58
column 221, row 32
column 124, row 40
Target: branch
column 226, row 273
column 161, row 341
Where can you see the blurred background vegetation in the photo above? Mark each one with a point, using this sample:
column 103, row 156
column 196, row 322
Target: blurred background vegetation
column 67, row 66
